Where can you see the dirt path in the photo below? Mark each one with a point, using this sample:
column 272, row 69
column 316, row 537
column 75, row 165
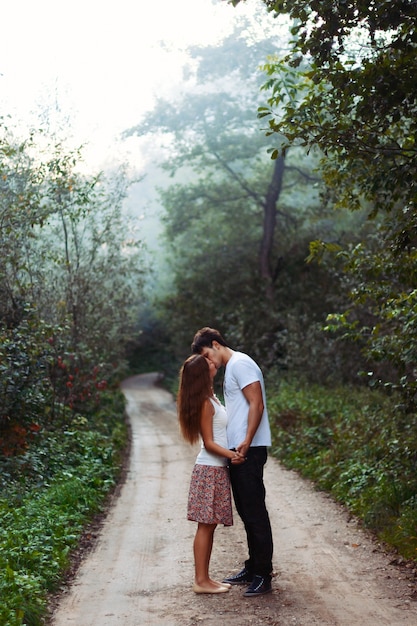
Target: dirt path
column 328, row 572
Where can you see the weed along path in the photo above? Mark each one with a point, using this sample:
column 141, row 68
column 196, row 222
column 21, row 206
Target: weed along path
column 328, row 572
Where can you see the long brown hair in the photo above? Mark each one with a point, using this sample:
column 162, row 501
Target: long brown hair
column 194, row 388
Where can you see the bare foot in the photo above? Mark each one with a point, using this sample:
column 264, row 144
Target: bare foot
column 210, row 586
column 219, row 584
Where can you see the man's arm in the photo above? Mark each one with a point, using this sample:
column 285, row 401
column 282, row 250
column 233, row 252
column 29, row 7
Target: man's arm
column 253, row 395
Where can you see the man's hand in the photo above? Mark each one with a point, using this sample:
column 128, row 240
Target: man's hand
column 243, row 448
column 238, row 458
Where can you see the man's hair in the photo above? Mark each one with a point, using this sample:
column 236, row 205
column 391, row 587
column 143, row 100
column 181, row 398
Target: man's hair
column 204, row 339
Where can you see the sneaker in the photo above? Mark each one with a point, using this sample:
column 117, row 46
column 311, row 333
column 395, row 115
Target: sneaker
column 242, row 578
column 259, row 586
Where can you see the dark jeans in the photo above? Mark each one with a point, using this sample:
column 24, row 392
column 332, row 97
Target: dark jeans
column 249, row 495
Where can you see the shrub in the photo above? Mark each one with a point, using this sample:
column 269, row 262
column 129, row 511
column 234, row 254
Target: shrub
column 50, row 494
column 355, row 444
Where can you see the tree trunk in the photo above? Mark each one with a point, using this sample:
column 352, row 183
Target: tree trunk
column 269, row 224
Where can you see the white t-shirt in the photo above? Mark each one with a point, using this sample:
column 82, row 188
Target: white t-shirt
column 241, row 371
column 219, row 436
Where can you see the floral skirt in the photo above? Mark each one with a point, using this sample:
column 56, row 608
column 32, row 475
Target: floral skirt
column 209, row 499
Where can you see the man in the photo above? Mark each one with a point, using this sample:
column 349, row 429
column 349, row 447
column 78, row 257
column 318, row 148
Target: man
column 249, row 433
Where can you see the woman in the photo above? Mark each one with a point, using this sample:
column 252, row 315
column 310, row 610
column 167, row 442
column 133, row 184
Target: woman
column 201, row 415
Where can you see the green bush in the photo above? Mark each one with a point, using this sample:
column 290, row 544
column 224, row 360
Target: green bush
column 355, row 444
column 48, row 497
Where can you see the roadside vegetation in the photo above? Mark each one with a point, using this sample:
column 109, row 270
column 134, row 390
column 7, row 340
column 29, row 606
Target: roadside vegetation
column 71, row 286
column 357, row 445
column 48, row 496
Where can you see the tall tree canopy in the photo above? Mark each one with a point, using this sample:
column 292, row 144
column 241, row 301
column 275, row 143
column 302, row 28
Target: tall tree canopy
column 234, row 218
column 353, row 96
column 238, row 223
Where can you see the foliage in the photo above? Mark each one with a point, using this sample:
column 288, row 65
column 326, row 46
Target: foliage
column 24, row 370
column 346, row 444
column 48, row 495
column 218, row 217
column 70, row 276
column 346, row 88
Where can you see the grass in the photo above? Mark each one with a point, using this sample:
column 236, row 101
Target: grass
column 357, row 445
column 48, row 497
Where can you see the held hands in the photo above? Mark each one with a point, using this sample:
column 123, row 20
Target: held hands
column 238, row 458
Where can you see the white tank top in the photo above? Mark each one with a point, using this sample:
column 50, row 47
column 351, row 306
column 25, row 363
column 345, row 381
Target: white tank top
column 219, row 436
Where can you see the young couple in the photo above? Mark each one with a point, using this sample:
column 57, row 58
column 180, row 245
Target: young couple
column 234, row 444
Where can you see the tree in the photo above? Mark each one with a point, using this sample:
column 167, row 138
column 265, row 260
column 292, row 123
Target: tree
column 234, row 218
column 71, row 285
column 354, row 98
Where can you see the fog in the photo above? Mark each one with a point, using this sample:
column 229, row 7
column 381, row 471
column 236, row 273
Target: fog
column 90, row 70
column 100, row 63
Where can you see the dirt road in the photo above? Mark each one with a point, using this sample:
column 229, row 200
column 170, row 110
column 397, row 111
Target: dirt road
column 327, row 570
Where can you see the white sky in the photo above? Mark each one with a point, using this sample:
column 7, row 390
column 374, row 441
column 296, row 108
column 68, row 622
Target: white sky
column 100, row 61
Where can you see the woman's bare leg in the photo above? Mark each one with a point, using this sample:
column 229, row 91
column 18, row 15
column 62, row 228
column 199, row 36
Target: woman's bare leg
column 203, row 545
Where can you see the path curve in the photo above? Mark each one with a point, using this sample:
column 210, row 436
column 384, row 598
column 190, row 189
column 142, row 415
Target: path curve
column 328, row 571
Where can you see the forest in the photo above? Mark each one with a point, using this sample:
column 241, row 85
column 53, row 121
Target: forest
column 288, row 200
